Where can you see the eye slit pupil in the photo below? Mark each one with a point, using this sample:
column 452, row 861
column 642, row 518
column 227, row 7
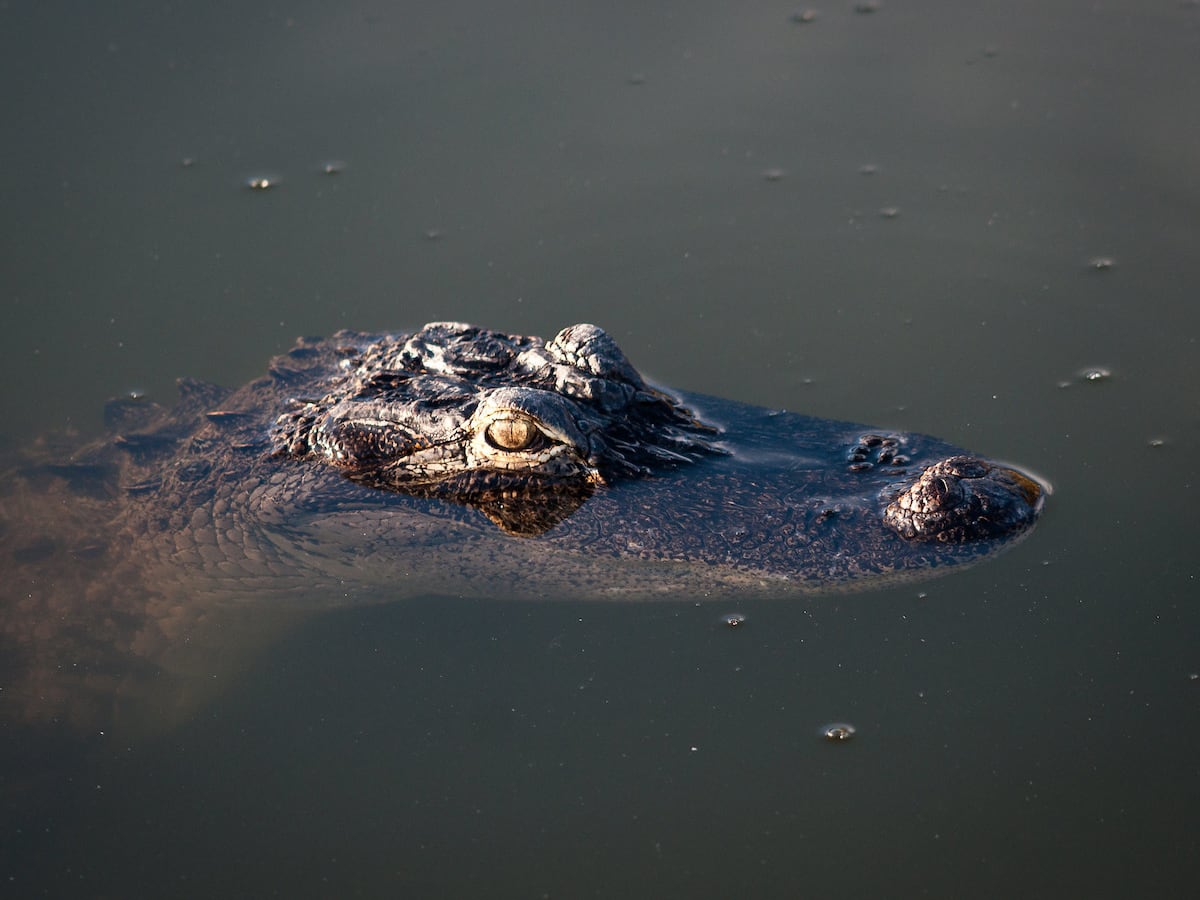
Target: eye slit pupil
column 512, row 433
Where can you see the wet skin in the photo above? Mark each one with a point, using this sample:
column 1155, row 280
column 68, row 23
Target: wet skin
column 370, row 468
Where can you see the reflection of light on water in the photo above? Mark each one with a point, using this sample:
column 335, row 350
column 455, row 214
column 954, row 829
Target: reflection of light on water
column 263, row 182
column 838, row 731
column 1089, row 374
column 1040, row 480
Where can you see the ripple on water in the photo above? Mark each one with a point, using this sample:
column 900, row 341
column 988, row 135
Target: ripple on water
column 1088, row 374
column 838, row 731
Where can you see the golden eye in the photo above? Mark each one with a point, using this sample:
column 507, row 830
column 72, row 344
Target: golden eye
column 513, row 433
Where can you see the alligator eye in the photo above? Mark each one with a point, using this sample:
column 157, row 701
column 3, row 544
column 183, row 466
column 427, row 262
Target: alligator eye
column 514, row 433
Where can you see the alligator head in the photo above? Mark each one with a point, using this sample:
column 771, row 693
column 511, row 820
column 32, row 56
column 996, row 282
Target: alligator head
column 519, row 428
column 524, row 430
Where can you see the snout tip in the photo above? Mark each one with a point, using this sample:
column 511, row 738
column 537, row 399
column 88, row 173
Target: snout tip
column 965, row 498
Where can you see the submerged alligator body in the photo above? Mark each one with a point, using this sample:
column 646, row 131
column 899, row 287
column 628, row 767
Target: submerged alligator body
column 456, row 460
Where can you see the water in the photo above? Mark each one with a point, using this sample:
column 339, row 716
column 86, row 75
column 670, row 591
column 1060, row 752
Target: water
column 891, row 218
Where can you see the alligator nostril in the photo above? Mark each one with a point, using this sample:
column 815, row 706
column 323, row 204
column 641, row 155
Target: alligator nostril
column 965, row 498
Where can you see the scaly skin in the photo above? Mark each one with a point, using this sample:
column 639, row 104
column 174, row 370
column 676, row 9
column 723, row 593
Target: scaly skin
column 368, row 468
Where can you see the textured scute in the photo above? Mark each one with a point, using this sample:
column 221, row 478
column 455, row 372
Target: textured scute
column 404, row 410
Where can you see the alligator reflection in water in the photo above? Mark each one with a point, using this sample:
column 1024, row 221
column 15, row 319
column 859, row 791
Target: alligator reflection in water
column 367, row 468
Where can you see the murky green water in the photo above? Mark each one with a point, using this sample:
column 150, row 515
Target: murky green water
column 889, row 217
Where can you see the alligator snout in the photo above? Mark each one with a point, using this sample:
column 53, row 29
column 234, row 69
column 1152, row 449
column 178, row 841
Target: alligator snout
column 964, row 498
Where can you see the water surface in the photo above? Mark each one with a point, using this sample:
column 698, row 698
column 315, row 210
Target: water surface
column 896, row 217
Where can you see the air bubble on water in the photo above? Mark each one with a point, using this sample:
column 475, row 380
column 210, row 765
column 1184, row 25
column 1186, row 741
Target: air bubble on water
column 1157, row 442
column 1092, row 374
column 774, row 174
column 733, row 620
column 333, row 167
column 1095, row 373
column 262, row 182
column 889, row 212
column 804, row 16
column 1101, row 263
column 838, row 731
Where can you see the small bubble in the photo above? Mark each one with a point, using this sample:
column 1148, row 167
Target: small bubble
column 838, row 731
column 187, row 162
column 889, row 212
column 1101, row 263
column 922, row 595
column 432, row 234
column 333, row 167
column 1157, row 442
column 774, row 174
column 1194, row 676
column 733, row 620
column 1095, row 373
column 262, row 182
column 804, row 16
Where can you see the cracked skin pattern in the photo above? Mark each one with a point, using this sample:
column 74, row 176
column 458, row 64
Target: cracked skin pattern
column 370, row 467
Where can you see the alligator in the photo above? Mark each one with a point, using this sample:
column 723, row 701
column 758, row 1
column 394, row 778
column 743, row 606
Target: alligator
column 455, row 460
